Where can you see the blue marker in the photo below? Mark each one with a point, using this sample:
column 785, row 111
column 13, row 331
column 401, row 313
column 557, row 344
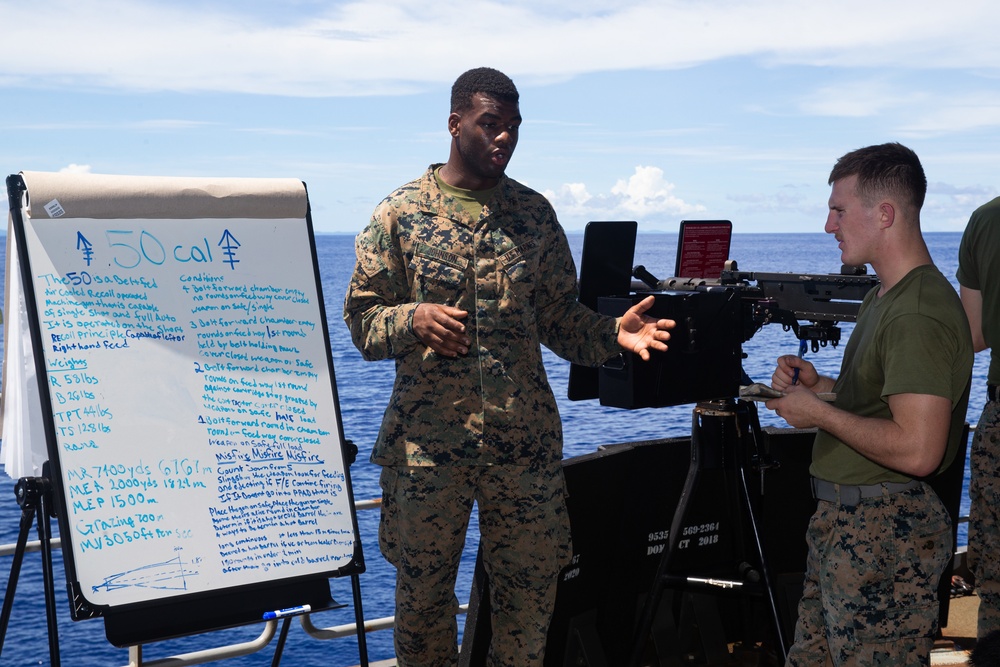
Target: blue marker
column 289, row 611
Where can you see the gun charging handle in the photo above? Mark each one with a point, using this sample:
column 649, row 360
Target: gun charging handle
column 640, row 272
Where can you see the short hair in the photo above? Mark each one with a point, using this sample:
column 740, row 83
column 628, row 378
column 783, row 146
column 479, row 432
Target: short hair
column 485, row 80
column 886, row 169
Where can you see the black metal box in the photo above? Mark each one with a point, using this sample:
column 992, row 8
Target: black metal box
column 704, row 359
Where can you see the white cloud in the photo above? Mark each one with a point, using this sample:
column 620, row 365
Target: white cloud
column 647, row 193
column 926, row 113
column 947, row 207
column 573, row 194
column 76, row 169
column 856, row 99
column 85, row 126
column 967, row 112
column 645, row 196
column 167, row 124
column 395, row 46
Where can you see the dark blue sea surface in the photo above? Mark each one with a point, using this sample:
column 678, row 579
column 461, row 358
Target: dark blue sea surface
column 364, row 388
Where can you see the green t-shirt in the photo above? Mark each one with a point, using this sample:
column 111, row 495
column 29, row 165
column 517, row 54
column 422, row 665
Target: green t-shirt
column 913, row 340
column 979, row 269
column 472, row 201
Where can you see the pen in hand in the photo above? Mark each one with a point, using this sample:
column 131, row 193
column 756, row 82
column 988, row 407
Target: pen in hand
column 802, row 353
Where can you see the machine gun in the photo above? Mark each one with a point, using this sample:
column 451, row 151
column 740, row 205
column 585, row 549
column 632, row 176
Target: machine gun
column 714, row 317
column 823, row 299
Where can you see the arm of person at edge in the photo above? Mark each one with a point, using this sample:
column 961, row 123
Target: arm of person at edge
column 972, row 301
column 441, row 328
column 913, row 442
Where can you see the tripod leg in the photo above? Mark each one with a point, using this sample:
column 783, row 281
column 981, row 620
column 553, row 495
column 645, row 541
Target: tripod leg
column 27, row 517
column 754, row 434
column 652, row 603
column 765, row 570
column 359, row 619
column 282, row 636
column 45, row 535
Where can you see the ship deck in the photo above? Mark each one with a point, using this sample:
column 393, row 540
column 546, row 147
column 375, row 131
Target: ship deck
column 958, row 638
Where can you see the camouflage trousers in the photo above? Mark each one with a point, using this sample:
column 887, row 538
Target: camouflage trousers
column 984, row 517
column 872, row 574
column 525, row 540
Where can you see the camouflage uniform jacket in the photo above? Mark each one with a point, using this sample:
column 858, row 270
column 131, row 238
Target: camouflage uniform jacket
column 512, row 271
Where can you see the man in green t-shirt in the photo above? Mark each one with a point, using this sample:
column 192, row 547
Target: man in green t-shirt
column 880, row 537
column 979, row 284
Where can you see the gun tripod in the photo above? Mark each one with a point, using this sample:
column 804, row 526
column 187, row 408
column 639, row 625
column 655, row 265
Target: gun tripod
column 34, row 496
column 711, row 559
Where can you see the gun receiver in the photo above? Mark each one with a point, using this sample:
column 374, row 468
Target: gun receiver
column 714, row 318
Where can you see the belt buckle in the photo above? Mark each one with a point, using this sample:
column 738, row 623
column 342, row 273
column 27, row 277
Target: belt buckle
column 849, row 496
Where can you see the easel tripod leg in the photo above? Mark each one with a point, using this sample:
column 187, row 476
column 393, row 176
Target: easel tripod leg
column 359, row 619
column 282, row 636
column 27, row 517
column 33, row 497
column 45, row 535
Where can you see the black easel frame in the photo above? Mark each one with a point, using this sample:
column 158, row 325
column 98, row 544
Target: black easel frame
column 44, row 496
column 34, row 496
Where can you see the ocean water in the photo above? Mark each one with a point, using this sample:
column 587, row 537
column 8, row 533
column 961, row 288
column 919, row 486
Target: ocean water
column 363, row 389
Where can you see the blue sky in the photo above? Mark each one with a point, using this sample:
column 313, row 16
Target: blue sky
column 648, row 110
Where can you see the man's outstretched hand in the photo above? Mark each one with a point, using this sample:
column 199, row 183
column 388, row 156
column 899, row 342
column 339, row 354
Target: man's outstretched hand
column 640, row 333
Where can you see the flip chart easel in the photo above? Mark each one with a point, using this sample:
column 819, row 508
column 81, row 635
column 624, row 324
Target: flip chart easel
column 176, row 332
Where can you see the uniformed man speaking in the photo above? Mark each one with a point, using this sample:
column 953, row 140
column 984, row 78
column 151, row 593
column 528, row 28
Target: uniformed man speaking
column 461, row 276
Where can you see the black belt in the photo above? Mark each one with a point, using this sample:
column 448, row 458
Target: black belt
column 845, row 494
column 991, row 392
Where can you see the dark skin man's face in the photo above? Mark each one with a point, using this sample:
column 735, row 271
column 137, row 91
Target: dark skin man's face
column 483, row 140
